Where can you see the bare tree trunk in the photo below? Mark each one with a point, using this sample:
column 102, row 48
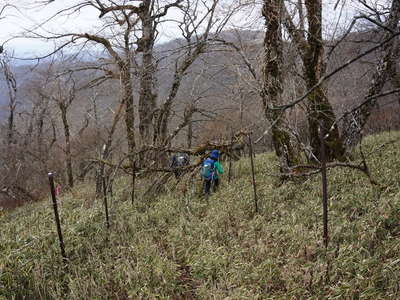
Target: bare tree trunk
column 127, row 100
column 161, row 136
column 165, row 110
column 190, row 134
column 195, row 46
column 106, row 151
column 393, row 72
column 99, row 168
column 354, row 123
column 272, row 84
column 40, row 121
column 68, row 153
column 12, row 97
column 319, row 107
column 10, row 135
column 311, row 52
column 301, row 14
column 147, row 97
column 163, row 116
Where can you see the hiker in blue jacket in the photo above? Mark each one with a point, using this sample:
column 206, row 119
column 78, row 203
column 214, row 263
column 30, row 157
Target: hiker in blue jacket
column 210, row 171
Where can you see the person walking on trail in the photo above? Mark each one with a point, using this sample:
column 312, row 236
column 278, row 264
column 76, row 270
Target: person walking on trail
column 178, row 161
column 210, row 171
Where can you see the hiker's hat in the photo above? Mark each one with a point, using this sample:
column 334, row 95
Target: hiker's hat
column 214, row 154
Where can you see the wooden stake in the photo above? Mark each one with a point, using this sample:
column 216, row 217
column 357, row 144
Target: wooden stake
column 56, row 215
column 252, row 173
column 105, row 201
column 324, row 184
column 230, row 159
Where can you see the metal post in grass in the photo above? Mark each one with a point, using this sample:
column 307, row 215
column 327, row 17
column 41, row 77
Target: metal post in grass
column 230, row 159
column 252, row 173
column 324, row 184
column 56, row 215
column 105, row 202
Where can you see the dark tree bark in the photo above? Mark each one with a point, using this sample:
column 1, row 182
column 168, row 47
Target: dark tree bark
column 67, row 136
column 272, row 83
column 147, row 96
column 127, row 100
column 319, row 109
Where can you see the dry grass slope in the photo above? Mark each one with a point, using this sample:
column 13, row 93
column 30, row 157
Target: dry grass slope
column 185, row 248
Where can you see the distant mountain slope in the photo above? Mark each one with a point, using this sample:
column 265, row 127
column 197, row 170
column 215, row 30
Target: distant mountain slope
column 222, row 82
column 22, row 73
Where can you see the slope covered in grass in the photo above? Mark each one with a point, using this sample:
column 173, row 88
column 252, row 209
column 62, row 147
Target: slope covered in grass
column 182, row 247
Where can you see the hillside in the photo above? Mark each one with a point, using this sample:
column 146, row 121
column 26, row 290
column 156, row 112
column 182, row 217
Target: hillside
column 182, row 247
column 224, row 84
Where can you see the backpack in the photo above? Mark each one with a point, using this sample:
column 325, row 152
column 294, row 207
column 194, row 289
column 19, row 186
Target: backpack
column 181, row 161
column 207, row 169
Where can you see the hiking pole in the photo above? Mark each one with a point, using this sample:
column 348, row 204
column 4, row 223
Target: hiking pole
column 252, row 173
column 324, row 184
column 56, row 216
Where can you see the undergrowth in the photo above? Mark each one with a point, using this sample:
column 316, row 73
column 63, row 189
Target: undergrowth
column 184, row 247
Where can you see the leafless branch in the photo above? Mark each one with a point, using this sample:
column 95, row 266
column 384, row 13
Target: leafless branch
column 340, row 68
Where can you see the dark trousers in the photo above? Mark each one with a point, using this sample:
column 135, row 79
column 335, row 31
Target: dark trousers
column 177, row 173
column 207, row 185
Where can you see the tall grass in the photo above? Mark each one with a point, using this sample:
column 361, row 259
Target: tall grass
column 183, row 247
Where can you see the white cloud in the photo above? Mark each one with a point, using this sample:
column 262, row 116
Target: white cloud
column 28, row 15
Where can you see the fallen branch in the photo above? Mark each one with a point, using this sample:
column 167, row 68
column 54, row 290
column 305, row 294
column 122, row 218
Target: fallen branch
column 296, row 171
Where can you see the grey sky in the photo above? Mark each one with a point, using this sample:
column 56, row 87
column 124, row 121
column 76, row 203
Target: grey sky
column 29, row 15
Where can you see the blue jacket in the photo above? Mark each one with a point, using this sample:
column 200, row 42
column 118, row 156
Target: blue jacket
column 216, row 167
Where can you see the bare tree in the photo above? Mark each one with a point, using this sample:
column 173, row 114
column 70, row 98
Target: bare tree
column 12, row 96
column 385, row 70
column 311, row 50
column 196, row 42
column 19, row 161
column 106, row 149
column 60, row 88
column 131, row 47
column 272, row 84
column 123, row 18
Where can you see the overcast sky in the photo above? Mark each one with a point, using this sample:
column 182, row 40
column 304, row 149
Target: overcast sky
column 16, row 20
